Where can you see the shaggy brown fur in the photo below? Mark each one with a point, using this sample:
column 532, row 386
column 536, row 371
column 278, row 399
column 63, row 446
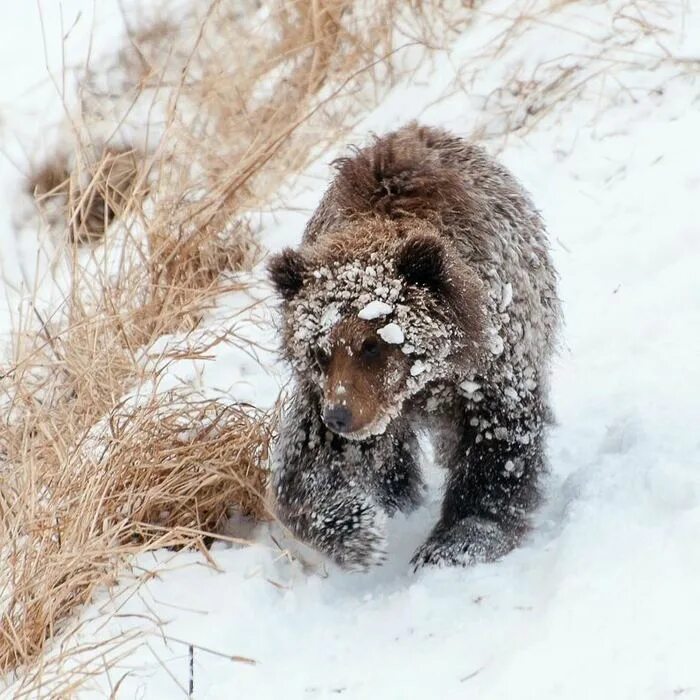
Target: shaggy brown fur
column 453, row 255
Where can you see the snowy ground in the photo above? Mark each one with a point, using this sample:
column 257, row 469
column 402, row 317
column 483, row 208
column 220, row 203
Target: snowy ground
column 601, row 602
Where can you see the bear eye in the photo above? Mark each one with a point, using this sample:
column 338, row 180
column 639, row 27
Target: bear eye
column 321, row 358
column 370, row 349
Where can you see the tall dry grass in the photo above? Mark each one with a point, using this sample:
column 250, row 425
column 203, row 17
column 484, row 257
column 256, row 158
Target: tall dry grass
column 189, row 128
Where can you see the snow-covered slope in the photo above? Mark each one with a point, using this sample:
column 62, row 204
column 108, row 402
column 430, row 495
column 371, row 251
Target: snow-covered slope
column 596, row 108
column 42, row 44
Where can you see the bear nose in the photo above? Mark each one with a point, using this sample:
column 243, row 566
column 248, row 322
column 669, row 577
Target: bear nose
column 337, row 418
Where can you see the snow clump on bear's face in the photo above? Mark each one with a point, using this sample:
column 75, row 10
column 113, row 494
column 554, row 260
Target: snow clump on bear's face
column 358, row 332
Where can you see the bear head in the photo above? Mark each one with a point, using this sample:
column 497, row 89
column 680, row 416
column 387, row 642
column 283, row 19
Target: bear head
column 372, row 314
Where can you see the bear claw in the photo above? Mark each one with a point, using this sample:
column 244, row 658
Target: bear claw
column 469, row 541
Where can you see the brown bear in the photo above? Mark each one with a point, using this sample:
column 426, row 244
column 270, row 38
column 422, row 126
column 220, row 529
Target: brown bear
column 422, row 296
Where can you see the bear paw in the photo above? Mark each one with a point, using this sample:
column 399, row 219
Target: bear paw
column 354, row 537
column 469, row 541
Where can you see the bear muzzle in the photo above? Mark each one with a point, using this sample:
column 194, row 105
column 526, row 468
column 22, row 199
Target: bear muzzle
column 338, row 418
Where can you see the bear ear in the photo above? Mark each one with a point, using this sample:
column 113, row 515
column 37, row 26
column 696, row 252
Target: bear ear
column 287, row 270
column 422, row 260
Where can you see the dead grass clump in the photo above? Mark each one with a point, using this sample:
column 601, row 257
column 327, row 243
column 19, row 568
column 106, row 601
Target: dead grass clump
column 51, row 179
column 108, row 194
column 98, row 464
column 156, row 471
column 183, row 461
column 88, row 196
column 187, row 258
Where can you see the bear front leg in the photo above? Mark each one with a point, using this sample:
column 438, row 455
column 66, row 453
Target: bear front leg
column 391, row 464
column 330, row 492
column 492, row 486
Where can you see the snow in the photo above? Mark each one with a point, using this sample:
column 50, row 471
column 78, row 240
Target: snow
column 30, row 111
column 375, row 309
column 330, row 316
column 511, row 393
column 469, row 386
column 391, row 333
column 601, row 601
column 496, row 345
column 418, row 367
column 507, row 297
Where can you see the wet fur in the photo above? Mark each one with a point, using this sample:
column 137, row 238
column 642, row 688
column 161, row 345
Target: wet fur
column 468, row 249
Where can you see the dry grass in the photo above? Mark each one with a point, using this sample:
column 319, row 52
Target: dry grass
column 93, row 472
column 157, row 472
column 90, row 196
column 198, row 123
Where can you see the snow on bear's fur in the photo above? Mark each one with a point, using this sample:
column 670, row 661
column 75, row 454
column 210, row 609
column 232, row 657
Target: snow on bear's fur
column 422, row 296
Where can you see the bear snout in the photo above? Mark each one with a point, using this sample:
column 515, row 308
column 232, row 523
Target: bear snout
column 338, row 418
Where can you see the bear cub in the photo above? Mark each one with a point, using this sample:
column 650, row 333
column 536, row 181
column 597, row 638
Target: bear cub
column 422, row 297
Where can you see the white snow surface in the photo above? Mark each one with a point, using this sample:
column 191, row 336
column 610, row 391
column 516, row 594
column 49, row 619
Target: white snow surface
column 601, row 600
